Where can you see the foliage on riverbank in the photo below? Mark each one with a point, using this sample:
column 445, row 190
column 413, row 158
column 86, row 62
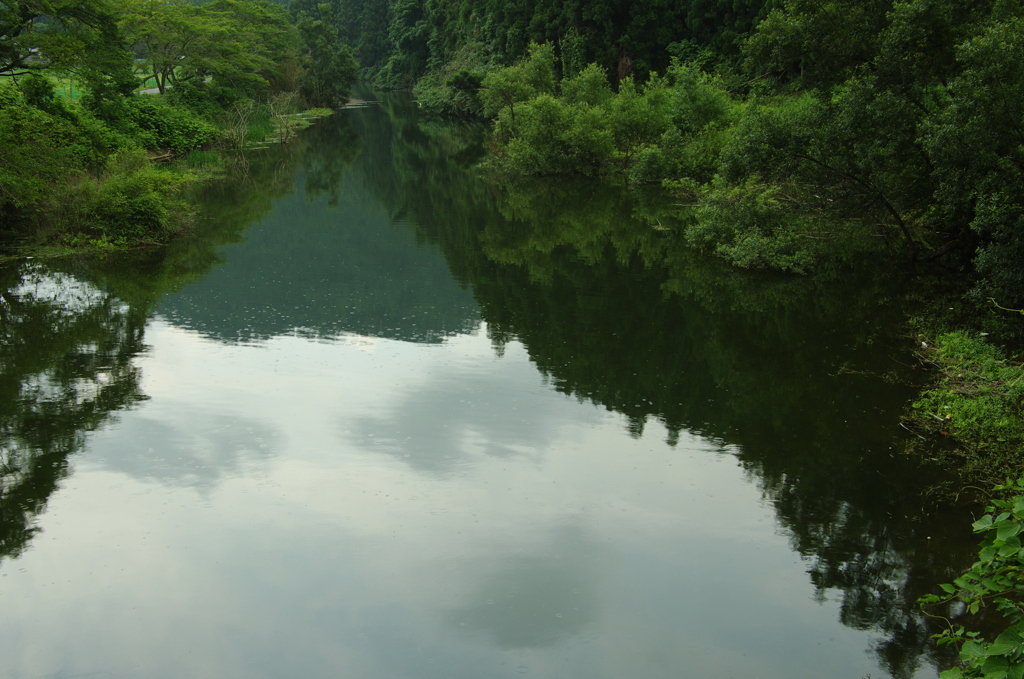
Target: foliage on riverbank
column 108, row 168
column 978, row 402
column 995, row 581
column 897, row 132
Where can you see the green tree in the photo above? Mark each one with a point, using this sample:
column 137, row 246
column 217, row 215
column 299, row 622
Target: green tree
column 505, row 88
column 329, row 70
column 240, row 44
column 37, row 35
column 976, row 144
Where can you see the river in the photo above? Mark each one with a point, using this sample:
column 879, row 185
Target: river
column 379, row 417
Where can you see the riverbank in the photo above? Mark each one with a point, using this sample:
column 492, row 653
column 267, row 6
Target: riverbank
column 970, row 416
column 74, row 180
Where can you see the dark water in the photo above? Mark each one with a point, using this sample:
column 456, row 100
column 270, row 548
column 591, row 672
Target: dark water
column 381, row 418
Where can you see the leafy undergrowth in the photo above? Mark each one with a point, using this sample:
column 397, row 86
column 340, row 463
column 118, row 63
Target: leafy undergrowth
column 995, row 581
column 977, row 403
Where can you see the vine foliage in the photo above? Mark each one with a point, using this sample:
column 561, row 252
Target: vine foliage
column 995, row 580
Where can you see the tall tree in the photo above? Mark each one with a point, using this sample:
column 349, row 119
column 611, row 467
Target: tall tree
column 237, row 42
column 36, row 35
column 329, row 70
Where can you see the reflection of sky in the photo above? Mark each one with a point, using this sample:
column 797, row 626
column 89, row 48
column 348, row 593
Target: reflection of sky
column 185, row 445
column 446, row 422
column 550, row 543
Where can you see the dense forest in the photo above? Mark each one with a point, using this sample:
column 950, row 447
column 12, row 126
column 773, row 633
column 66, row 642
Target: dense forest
column 795, row 131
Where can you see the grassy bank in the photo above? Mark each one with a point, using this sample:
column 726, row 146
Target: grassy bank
column 970, row 416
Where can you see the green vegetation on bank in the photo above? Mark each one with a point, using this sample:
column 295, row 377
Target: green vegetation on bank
column 978, row 400
column 899, row 131
column 443, row 48
column 108, row 167
column 996, row 580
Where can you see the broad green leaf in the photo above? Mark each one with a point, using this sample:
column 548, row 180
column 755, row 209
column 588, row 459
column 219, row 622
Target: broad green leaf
column 973, row 651
column 995, row 667
column 1008, row 529
column 1007, row 641
column 1012, row 546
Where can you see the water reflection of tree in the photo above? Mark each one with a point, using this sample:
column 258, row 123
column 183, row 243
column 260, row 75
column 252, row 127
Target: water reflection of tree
column 227, row 208
column 66, row 346
column 786, row 372
column 65, row 368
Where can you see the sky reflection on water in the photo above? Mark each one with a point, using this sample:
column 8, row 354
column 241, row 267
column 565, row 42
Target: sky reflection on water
column 287, row 541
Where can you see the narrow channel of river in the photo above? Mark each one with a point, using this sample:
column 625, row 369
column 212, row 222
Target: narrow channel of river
column 380, row 419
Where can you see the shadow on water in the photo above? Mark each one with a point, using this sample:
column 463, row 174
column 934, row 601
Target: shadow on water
column 800, row 379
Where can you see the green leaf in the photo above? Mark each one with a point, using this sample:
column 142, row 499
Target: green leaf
column 1007, row 642
column 1008, row 529
column 948, row 589
column 996, row 667
column 1012, row 546
column 973, row 651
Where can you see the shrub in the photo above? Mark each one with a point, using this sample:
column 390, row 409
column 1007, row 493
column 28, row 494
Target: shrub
column 165, row 127
column 135, row 200
column 997, row 579
column 39, row 149
column 753, row 227
column 199, row 98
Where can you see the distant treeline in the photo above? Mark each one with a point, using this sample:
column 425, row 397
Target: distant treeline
column 398, row 43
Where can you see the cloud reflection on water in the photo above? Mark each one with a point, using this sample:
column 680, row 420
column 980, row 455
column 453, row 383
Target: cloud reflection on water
column 442, row 424
column 187, row 446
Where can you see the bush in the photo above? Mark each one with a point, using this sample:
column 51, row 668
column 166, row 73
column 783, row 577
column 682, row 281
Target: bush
column 751, row 226
column 166, row 127
column 39, row 149
column 135, row 200
column 994, row 580
column 200, row 98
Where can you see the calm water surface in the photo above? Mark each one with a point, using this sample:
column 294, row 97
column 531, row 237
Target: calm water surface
column 381, row 419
